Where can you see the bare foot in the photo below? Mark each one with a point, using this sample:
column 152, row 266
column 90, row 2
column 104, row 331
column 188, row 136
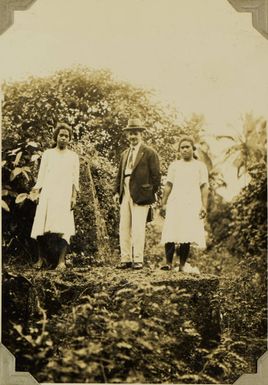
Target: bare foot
column 61, row 266
column 38, row 264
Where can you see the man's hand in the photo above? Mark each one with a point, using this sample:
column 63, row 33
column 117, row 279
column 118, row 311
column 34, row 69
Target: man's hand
column 116, row 198
column 203, row 213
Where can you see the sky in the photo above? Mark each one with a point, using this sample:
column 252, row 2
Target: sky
column 200, row 56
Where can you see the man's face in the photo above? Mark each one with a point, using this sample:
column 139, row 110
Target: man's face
column 186, row 150
column 134, row 137
column 63, row 138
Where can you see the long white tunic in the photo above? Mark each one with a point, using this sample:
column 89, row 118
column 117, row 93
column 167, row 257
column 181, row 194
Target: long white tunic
column 182, row 223
column 58, row 173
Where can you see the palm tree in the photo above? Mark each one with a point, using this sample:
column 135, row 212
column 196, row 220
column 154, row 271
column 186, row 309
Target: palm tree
column 249, row 146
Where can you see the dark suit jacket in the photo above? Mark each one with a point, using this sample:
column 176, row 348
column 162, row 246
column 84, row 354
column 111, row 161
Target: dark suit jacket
column 145, row 178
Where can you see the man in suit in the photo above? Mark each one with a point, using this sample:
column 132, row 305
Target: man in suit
column 137, row 181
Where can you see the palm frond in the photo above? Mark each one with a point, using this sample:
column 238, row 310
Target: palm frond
column 219, row 137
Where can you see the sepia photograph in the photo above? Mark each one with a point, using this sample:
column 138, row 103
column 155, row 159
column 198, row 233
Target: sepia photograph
column 134, row 191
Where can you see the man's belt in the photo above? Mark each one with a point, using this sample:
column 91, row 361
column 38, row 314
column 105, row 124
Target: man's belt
column 127, row 175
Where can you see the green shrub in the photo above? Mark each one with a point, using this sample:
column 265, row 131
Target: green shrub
column 219, row 219
column 97, row 107
column 123, row 337
column 248, row 227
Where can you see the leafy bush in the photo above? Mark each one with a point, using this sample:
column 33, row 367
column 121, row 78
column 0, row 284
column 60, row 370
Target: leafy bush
column 226, row 363
column 248, row 229
column 26, row 333
column 247, row 288
column 97, row 107
column 219, row 219
column 19, row 165
column 239, row 254
column 93, row 103
column 130, row 346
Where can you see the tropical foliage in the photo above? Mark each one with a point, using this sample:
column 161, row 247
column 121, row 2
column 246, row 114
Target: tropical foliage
column 99, row 316
column 249, row 146
column 97, row 107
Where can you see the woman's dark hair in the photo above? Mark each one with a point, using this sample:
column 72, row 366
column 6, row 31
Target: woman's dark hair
column 188, row 139
column 62, row 126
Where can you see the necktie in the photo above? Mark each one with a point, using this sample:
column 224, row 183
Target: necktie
column 130, row 158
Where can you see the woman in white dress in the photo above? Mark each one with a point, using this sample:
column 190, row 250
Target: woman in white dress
column 184, row 204
column 58, row 180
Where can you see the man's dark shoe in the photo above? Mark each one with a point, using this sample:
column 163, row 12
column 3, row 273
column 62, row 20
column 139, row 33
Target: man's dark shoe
column 137, row 265
column 125, row 265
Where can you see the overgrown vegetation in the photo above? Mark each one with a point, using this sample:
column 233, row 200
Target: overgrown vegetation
column 116, row 334
column 97, row 107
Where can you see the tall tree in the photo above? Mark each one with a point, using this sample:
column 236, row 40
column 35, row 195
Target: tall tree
column 249, row 146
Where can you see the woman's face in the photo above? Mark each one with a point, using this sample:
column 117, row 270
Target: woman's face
column 186, row 150
column 63, row 138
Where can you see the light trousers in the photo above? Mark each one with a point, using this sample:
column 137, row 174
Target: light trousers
column 132, row 227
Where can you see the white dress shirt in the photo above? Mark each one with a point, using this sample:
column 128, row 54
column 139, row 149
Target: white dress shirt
column 136, row 148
